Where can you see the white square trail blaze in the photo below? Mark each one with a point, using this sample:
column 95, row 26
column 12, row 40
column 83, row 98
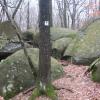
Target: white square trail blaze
column 46, row 23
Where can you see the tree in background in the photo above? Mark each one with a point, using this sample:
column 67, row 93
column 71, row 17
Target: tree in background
column 99, row 5
column 15, row 8
column 70, row 12
column 28, row 15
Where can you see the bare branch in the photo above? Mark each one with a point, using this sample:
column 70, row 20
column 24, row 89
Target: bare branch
column 81, row 4
column 5, row 4
column 15, row 11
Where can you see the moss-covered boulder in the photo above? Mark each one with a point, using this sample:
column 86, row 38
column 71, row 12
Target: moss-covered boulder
column 56, row 33
column 59, row 46
column 7, row 48
column 60, row 38
column 95, row 68
column 84, row 50
column 3, row 40
column 16, row 75
column 7, row 28
column 31, row 37
column 10, row 48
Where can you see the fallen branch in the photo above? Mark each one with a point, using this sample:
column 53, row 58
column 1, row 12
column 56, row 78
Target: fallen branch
column 29, row 90
column 91, row 66
column 60, row 88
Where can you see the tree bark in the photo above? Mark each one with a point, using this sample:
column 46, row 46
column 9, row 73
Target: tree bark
column 68, row 22
column 99, row 7
column 16, row 9
column 5, row 4
column 28, row 15
column 44, row 43
column 51, row 19
column 73, row 15
column 60, row 12
column 64, row 14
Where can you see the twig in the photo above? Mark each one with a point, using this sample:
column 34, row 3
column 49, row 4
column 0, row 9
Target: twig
column 30, row 89
column 58, row 88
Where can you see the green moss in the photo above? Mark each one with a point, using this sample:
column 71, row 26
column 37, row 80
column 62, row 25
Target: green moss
column 56, row 54
column 49, row 92
column 35, row 94
column 9, row 95
column 89, row 44
column 72, row 47
column 61, row 44
column 56, row 33
column 3, row 41
column 87, row 48
column 16, row 69
column 95, row 75
column 7, row 28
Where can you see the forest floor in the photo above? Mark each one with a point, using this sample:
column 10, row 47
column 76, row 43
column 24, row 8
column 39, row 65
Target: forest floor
column 74, row 85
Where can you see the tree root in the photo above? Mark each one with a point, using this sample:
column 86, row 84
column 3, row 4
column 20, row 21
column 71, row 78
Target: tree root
column 49, row 92
column 58, row 88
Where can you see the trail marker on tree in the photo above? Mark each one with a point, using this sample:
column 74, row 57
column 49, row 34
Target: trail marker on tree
column 44, row 76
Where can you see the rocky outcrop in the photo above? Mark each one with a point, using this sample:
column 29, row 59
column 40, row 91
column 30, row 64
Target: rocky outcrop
column 16, row 75
column 86, row 49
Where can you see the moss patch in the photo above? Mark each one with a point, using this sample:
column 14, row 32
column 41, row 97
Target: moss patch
column 95, row 75
column 3, row 41
column 86, row 48
column 7, row 28
column 49, row 92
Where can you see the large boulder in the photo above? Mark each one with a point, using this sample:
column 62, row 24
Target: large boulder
column 86, row 49
column 10, row 48
column 9, row 42
column 31, row 36
column 56, row 33
column 16, row 75
column 60, row 38
column 7, row 48
column 3, row 42
column 59, row 46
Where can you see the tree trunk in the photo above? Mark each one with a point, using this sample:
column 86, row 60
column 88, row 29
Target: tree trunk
column 51, row 19
column 64, row 14
column 73, row 22
column 44, row 75
column 16, row 9
column 73, row 15
column 99, row 7
column 28, row 16
column 5, row 3
column 68, row 22
column 44, row 43
column 60, row 12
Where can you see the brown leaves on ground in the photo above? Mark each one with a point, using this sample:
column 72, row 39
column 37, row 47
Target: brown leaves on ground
column 73, row 86
column 1, row 98
column 81, row 86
